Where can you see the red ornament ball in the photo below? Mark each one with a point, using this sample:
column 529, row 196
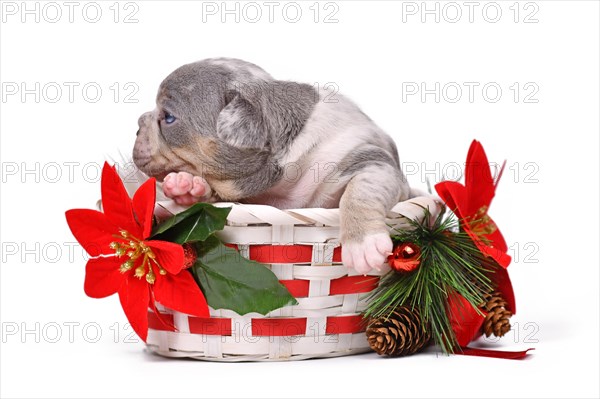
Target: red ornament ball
column 405, row 257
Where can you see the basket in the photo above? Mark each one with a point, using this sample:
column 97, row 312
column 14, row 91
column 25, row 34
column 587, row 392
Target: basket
column 301, row 247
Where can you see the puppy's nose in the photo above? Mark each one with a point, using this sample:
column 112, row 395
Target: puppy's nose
column 142, row 118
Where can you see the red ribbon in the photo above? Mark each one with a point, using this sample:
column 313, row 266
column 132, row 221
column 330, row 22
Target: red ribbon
column 270, row 327
column 338, row 286
column 494, row 353
column 286, row 253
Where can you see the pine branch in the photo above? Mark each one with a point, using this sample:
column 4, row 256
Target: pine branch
column 450, row 264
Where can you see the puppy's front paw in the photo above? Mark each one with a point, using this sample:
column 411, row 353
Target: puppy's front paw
column 185, row 188
column 370, row 253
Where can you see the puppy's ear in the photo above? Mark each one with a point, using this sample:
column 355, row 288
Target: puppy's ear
column 241, row 123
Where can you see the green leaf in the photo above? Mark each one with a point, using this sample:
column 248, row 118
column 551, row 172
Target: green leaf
column 230, row 281
column 194, row 224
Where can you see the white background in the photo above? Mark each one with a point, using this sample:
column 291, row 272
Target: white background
column 546, row 206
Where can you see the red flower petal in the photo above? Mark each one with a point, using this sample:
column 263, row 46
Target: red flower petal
column 453, row 195
column 143, row 206
column 502, row 280
column 478, row 179
column 116, row 203
column 169, row 255
column 501, row 257
column 180, row 292
column 497, row 239
column 102, row 277
column 478, row 190
column 468, row 200
column 92, row 230
column 134, row 296
column 152, row 304
column 466, row 322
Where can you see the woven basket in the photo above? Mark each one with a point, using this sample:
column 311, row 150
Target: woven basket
column 302, row 248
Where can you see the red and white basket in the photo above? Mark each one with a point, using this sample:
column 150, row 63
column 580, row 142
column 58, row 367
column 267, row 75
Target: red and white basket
column 302, row 249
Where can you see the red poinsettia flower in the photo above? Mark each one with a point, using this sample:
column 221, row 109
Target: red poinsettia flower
column 123, row 261
column 470, row 202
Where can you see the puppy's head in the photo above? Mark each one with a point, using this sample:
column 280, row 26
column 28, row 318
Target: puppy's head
column 203, row 123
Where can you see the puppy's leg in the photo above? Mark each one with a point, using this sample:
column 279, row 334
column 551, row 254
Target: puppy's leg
column 185, row 188
column 369, row 195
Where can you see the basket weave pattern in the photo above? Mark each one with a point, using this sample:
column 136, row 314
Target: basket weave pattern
column 301, row 247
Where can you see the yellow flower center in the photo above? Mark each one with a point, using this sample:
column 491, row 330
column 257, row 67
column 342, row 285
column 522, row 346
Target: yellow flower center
column 136, row 249
column 481, row 223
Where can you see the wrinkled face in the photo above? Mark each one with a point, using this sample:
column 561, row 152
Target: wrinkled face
column 179, row 135
column 217, row 119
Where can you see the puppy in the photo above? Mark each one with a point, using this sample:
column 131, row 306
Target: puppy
column 224, row 129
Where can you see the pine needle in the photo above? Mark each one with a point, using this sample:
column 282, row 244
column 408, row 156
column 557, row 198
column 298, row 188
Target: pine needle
column 450, row 264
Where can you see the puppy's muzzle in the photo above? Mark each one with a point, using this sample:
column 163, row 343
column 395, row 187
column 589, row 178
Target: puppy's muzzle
column 142, row 151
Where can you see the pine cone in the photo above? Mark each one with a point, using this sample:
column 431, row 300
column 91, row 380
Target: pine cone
column 399, row 334
column 497, row 319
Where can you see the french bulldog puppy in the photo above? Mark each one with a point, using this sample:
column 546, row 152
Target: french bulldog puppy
column 224, row 129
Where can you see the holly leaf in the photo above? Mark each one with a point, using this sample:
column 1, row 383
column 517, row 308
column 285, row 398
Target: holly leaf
column 230, row 281
column 194, row 224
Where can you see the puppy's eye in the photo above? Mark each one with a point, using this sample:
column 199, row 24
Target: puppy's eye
column 169, row 118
